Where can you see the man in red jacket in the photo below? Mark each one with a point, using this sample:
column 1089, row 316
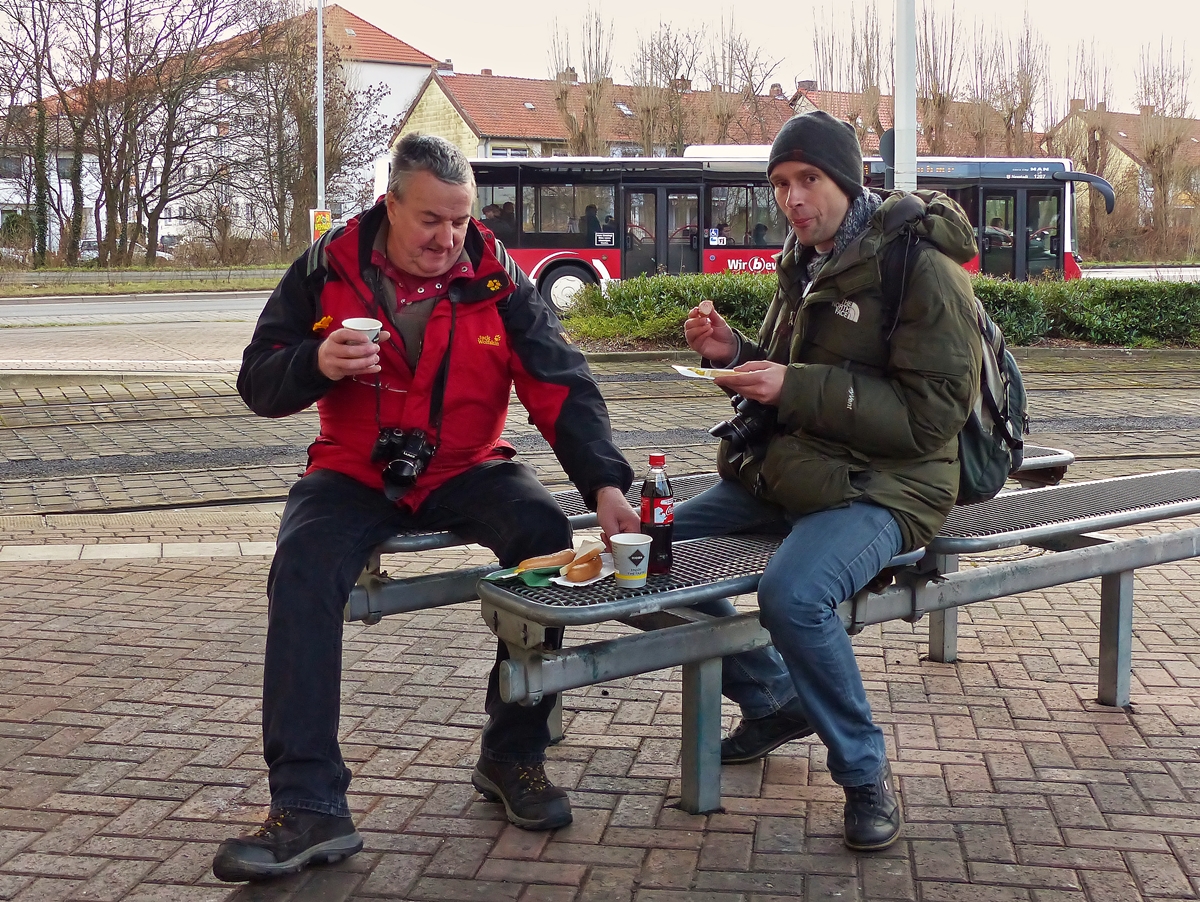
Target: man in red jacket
column 410, row 438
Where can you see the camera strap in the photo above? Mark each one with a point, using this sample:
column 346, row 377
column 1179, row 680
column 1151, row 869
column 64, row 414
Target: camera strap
column 437, row 395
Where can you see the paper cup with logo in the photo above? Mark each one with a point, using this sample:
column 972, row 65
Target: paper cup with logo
column 367, row 326
column 631, row 556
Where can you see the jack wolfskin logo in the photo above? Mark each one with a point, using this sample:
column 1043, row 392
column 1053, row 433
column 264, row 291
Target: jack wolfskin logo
column 494, row 284
column 492, row 341
column 848, row 310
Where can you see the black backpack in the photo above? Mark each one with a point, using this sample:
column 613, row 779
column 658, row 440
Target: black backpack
column 991, row 444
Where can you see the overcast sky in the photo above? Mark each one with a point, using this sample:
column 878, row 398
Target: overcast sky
column 511, row 38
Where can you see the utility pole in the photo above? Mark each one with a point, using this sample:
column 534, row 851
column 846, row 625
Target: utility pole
column 905, row 78
column 321, row 104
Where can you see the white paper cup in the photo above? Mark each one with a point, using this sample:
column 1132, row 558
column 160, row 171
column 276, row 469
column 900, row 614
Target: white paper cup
column 367, row 326
column 631, row 557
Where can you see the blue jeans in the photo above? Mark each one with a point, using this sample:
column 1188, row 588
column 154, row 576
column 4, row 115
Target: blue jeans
column 826, row 558
column 329, row 526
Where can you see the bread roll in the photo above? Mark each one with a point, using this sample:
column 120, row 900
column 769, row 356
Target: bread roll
column 583, row 571
column 585, row 555
column 558, row 559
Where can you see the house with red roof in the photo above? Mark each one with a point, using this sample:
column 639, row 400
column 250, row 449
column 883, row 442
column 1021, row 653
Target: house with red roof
column 490, row 115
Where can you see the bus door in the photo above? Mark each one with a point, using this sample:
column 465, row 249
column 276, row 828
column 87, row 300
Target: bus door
column 1021, row 233
column 662, row 231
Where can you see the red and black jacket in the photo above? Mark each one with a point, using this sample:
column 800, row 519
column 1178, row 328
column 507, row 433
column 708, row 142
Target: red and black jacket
column 504, row 335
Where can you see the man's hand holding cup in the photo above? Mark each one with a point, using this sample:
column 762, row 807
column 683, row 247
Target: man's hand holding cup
column 352, row 350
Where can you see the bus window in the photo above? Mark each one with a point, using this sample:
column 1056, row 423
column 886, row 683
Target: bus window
column 495, row 206
column 745, row 216
column 998, row 255
column 641, row 212
column 557, row 216
column 683, row 232
column 1044, row 249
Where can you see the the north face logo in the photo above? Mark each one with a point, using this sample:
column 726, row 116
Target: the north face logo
column 847, row 310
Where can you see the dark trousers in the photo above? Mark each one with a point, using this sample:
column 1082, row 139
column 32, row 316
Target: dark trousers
column 329, row 526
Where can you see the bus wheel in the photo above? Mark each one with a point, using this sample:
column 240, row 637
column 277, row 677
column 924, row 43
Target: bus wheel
column 560, row 287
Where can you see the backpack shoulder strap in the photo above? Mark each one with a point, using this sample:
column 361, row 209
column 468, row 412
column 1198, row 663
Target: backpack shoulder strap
column 315, row 256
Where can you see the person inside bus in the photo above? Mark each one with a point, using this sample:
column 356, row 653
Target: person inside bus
column 846, row 442
column 504, row 226
column 610, row 224
column 760, row 235
column 410, row 439
column 589, row 224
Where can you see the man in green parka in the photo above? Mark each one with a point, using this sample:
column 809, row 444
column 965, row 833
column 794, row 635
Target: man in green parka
column 845, row 440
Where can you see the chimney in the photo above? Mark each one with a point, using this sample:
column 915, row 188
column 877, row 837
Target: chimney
column 568, row 76
column 1078, row 106
column 1101, row 107
column 446, row 66
column 776, row 90
column 807, row 84
column 1147, row 109
column 485, row 71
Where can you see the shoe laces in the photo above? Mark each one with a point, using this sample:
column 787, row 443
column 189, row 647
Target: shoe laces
column 273, row 822
column 532, row 777
column 867, row 794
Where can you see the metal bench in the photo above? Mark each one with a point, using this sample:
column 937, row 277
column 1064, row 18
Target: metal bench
column 376, row 595
column 1061, row 519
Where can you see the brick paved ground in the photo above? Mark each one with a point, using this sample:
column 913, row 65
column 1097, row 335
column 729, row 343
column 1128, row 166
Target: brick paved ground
column 129, row 674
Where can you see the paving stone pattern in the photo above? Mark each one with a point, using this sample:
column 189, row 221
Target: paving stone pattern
column 129, row 715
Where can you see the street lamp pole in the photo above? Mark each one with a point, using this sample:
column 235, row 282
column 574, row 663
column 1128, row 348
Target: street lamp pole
column 320, row 105
column 905, row 76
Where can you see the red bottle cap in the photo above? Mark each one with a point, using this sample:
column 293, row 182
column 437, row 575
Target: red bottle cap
column 658, row 460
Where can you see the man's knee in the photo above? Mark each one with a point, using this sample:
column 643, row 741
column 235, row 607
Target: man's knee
column 787, row 602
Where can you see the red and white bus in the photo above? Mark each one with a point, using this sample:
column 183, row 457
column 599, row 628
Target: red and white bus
column 570, row 221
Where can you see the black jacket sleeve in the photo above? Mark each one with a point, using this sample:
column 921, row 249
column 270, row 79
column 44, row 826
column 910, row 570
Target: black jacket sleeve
column 279, row 374
column 556, row 386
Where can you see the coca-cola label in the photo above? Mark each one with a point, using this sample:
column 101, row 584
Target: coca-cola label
column 658, row 510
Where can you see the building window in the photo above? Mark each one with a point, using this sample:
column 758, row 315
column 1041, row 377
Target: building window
column 510, row 151
column 11, row 167
column 66, row 167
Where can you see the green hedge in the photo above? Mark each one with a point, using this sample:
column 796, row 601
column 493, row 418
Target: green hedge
column 1122, row 312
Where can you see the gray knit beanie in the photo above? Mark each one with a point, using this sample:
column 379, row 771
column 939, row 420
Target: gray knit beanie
column 820, row 140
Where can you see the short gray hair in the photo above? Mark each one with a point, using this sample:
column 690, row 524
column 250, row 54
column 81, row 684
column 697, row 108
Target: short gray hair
column 427, row 153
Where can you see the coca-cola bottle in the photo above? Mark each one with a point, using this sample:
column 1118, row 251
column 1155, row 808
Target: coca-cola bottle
column 658, row 513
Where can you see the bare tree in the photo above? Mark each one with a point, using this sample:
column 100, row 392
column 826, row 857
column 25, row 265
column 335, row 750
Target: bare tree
column 1163, row 84
column 585, row 129
column 978, row 112
column 737, row 73
column 187, row 122
column 851, row 61
column 1023, row 76
column 664, row 109
column 275, row 127
column 938, row 72
column 29, row 29
column 1085, row 135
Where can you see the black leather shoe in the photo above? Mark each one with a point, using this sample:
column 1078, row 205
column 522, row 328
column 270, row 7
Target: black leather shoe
column 287, row 841
column 530, row 800
column 757, row 738
column 873, row 816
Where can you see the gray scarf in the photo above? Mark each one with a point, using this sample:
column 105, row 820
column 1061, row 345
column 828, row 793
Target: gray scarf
column 861, row 210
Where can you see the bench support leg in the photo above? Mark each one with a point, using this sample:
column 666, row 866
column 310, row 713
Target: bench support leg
column 701, row 737
column 943, row 625
column 1116, row 638
column 554, row 721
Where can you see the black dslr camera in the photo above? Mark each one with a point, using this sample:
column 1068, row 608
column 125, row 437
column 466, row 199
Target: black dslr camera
column 751, row 424
column 407, row 453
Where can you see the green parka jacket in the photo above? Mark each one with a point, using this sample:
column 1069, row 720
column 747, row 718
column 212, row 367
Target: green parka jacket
column 870, row 410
